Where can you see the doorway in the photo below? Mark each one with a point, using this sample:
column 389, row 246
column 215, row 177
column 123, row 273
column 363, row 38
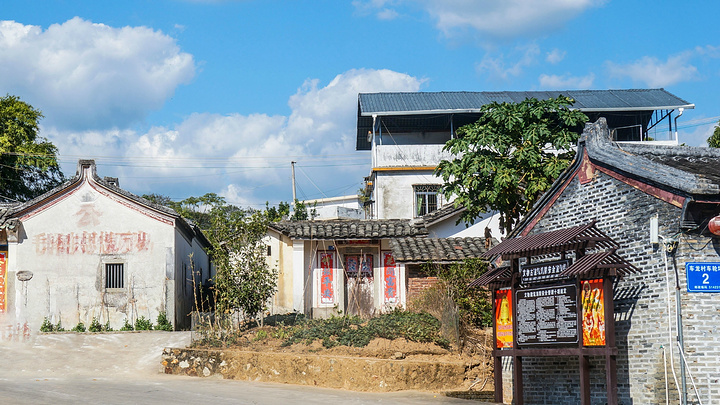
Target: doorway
column 359, row 285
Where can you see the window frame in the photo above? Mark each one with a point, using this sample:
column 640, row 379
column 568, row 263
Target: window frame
column 425, row 191
column 107, row 267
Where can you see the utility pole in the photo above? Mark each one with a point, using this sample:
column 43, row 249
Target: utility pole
column 292, row 166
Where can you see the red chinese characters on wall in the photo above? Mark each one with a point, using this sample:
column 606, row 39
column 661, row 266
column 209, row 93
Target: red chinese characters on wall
column 327, row 265
column 391, row 278
column 91, row 243
column 3, row 277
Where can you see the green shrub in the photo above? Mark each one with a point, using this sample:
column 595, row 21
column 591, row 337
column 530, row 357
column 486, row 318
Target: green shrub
column 127, row 326
column 260, row 335
column 80, row 327
column 59, row 327
column 143, row 324
column 107, row 327
column 351, row 331
column 95, row 326
column 47, row 326
column 163, row 323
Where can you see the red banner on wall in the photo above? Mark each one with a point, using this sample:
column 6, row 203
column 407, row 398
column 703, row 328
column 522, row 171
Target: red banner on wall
column 503, row 319
column 390, row 278
column 593, row 313
column 3, row 277
column 327, row 265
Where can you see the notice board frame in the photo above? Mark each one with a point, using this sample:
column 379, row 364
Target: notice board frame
column 583, row 353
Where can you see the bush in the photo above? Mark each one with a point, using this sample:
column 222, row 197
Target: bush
column 80, row 327
column 107, row 327
column 351, row 331
column 163, row 323
column 95, row 326
column 143, row 324
column 127, row 326
column 47, row 326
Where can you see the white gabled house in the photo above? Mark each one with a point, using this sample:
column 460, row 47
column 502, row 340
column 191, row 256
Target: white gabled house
column 88, row 249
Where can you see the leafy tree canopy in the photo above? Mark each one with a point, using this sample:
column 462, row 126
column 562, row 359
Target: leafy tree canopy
column 244, row 279
column 28, row 162
column 714, row 139
column 510, row 156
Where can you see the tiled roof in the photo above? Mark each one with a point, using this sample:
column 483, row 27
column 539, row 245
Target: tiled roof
column 692, row 170
column 421, row 250
column 445, row 212
column 349, row 229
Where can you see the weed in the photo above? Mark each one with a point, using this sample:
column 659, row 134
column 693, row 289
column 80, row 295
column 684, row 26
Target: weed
column 47, row 326
column 163, row 323
column 127, row 326
column 260, row 335
column 80, row 327
column 143, row 324
column 95, row 326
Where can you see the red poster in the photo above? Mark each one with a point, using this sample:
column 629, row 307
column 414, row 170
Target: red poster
column 326, row 278
column 503, row 319
column 391, row 282
column 3, row 275
column 593, row 313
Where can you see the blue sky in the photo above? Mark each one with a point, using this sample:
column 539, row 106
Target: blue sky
column 182, row 97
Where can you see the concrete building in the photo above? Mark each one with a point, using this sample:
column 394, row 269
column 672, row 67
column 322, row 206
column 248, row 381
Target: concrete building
column 406, row 132
column 661, row 204
column 88, row 249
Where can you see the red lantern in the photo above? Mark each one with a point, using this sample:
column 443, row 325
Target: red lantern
column 714, row 225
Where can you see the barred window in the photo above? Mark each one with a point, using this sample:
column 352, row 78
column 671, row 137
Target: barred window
column 114, row 275
column 426, row 198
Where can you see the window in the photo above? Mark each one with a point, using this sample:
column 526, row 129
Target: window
column 114, row 275
column 426, row 198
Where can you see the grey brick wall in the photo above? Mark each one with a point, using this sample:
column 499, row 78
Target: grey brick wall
column 641, row 303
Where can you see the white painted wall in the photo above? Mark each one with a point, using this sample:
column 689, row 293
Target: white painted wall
column 67, row 241
column 394, row 194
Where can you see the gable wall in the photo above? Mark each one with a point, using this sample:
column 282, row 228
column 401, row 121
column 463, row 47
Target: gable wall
column 66, row 246
column 641, row 301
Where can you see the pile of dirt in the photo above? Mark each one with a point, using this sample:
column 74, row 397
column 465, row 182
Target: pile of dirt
column 475, row 354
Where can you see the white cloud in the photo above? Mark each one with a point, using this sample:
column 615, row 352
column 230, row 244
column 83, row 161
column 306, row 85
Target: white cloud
column 506, row 66
column 566, row 82
column 653, row 72
column 555, row 56
column 507, row 18
column 387, row 14
column 243, row 154
column 84, row 75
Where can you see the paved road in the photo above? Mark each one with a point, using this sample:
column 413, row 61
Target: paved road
column 161, row 389
column 125, row 369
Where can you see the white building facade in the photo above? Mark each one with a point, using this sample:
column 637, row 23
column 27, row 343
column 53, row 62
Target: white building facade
column 89, row 249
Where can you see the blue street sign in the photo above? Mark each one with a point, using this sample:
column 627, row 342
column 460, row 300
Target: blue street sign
column 703, row 277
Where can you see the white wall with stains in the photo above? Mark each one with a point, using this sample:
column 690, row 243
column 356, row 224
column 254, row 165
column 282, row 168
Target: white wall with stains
column 67, row 242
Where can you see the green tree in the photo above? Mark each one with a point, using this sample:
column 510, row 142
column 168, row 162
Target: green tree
column 28, row 162
column 196, row 209
column 244, row 281
column 510, row 156
column 714, row 139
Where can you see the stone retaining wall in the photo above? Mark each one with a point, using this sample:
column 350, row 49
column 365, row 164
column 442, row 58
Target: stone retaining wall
column 353, row 373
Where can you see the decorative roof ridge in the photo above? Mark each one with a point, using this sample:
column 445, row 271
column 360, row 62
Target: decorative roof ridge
column 628, row 159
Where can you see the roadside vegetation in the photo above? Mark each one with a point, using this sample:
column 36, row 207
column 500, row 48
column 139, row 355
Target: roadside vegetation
column 336, row 331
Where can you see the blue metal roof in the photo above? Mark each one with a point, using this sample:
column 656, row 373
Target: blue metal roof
column 465, row 101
